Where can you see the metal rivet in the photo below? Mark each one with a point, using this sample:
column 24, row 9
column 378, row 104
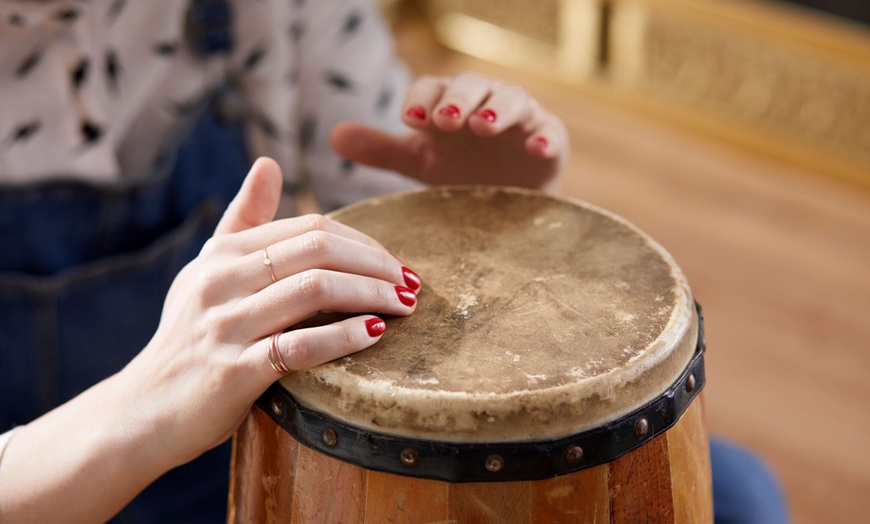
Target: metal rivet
column 410, row 457
column 641, row 428
column 277, row 407
column 690, row 383
column 494, row 463
column 329, row 437
column 575, row 453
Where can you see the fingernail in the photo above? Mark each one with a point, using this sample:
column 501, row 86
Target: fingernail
column 412, row 280
column 488, row 115
column 416, row 111
column 406, row 296
column 541, row 141
column 449, row 110
column 375, row 327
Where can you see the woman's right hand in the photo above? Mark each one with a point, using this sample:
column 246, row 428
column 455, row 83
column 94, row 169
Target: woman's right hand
column 209, row 360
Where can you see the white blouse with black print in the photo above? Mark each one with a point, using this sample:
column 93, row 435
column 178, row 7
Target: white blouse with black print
column 90, row 89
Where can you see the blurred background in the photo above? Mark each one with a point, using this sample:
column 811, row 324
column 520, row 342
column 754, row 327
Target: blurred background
column 736, row 133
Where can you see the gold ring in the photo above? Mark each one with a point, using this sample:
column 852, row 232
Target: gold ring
column 268, row 263
column 275, row 356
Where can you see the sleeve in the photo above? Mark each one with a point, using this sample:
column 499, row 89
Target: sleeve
column 263, row 66
column 347, row 71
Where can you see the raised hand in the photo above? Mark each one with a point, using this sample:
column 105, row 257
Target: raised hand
column 466, row 130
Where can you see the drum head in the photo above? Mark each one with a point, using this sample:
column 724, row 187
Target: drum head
column 539, row 317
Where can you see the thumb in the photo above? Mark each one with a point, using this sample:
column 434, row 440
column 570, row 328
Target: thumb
column 373, row 147
column 257, row 201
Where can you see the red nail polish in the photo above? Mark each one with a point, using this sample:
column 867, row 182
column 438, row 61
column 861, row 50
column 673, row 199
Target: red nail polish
column 416, row 111
column 412, row 280
column 488, row 115
column 375, row 327
column 449, row 110
column 542, row 142
column 406, row 296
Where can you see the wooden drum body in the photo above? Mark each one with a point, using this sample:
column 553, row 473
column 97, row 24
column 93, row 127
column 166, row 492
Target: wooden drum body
column 549, row 374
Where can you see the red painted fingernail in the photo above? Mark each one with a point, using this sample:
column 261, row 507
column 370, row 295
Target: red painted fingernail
column 412, row 280
column 449, row 110
column 375, row 327
column 417, row 112
column 488, row 115
column 541, row 141
column 406, row 296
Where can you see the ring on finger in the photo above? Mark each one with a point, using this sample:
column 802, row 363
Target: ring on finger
column 268, row 263
column 275, row 359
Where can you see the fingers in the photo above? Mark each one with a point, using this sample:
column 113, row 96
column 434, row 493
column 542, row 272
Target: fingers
column 507, row 107
column 270, row 233
column 422, row 97
column 324, row 250
column 548, row 137
column 485, row 105
column 298, row 297
column 257, row 201
column 308, row 347
column 372, row 147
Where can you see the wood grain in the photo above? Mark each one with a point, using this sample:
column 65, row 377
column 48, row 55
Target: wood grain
column 580, row 497
column 275, row 479
column 640, row 485
column 395, row 499
column 690, row 467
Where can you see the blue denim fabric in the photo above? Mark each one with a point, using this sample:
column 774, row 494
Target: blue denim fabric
column 745, row 491
column 84, row 270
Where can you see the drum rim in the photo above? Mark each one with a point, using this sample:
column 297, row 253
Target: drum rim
column 489, row 461
column 318, row 388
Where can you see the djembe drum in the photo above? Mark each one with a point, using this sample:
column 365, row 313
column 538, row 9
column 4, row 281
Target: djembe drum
column 547, row 375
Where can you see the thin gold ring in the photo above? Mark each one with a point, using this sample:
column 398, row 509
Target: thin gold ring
column 268, row 263
column 275, row 358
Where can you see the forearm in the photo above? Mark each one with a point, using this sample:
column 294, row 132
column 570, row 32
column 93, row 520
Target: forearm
column 81, row 462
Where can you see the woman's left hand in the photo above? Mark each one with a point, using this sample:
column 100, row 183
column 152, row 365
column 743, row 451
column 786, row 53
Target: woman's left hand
column 467, row 130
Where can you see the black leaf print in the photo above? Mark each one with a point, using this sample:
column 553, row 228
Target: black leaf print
column 91, row 132
column 23, row 132
column 338, row 81
column 267, row 126
column 67, row 15
column 115, row 10
column 306, row 131
column 255, row 58
column 80, row 73
column 384, row 99
column 347, row 167
column 17, row 20
column 166, row 48
column 296, row 31
column 351, row 24
column 113, row 69
column 28, row 64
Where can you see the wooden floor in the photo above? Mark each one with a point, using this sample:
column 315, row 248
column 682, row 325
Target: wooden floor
column 778, row 257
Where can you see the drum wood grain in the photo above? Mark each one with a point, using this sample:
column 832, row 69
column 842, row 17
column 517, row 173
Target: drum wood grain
column 277, row 480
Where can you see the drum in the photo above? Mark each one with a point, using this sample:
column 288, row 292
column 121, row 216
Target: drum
column 549, row 374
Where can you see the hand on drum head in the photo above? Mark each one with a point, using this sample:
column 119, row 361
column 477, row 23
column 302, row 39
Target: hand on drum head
column 253, row 279
column 219, row 345
column 467, row 130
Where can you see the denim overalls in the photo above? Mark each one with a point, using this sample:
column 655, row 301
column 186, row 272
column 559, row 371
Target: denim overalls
column 84, row 270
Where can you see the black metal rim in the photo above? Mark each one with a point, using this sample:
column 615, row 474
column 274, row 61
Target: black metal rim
column 489, row 462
